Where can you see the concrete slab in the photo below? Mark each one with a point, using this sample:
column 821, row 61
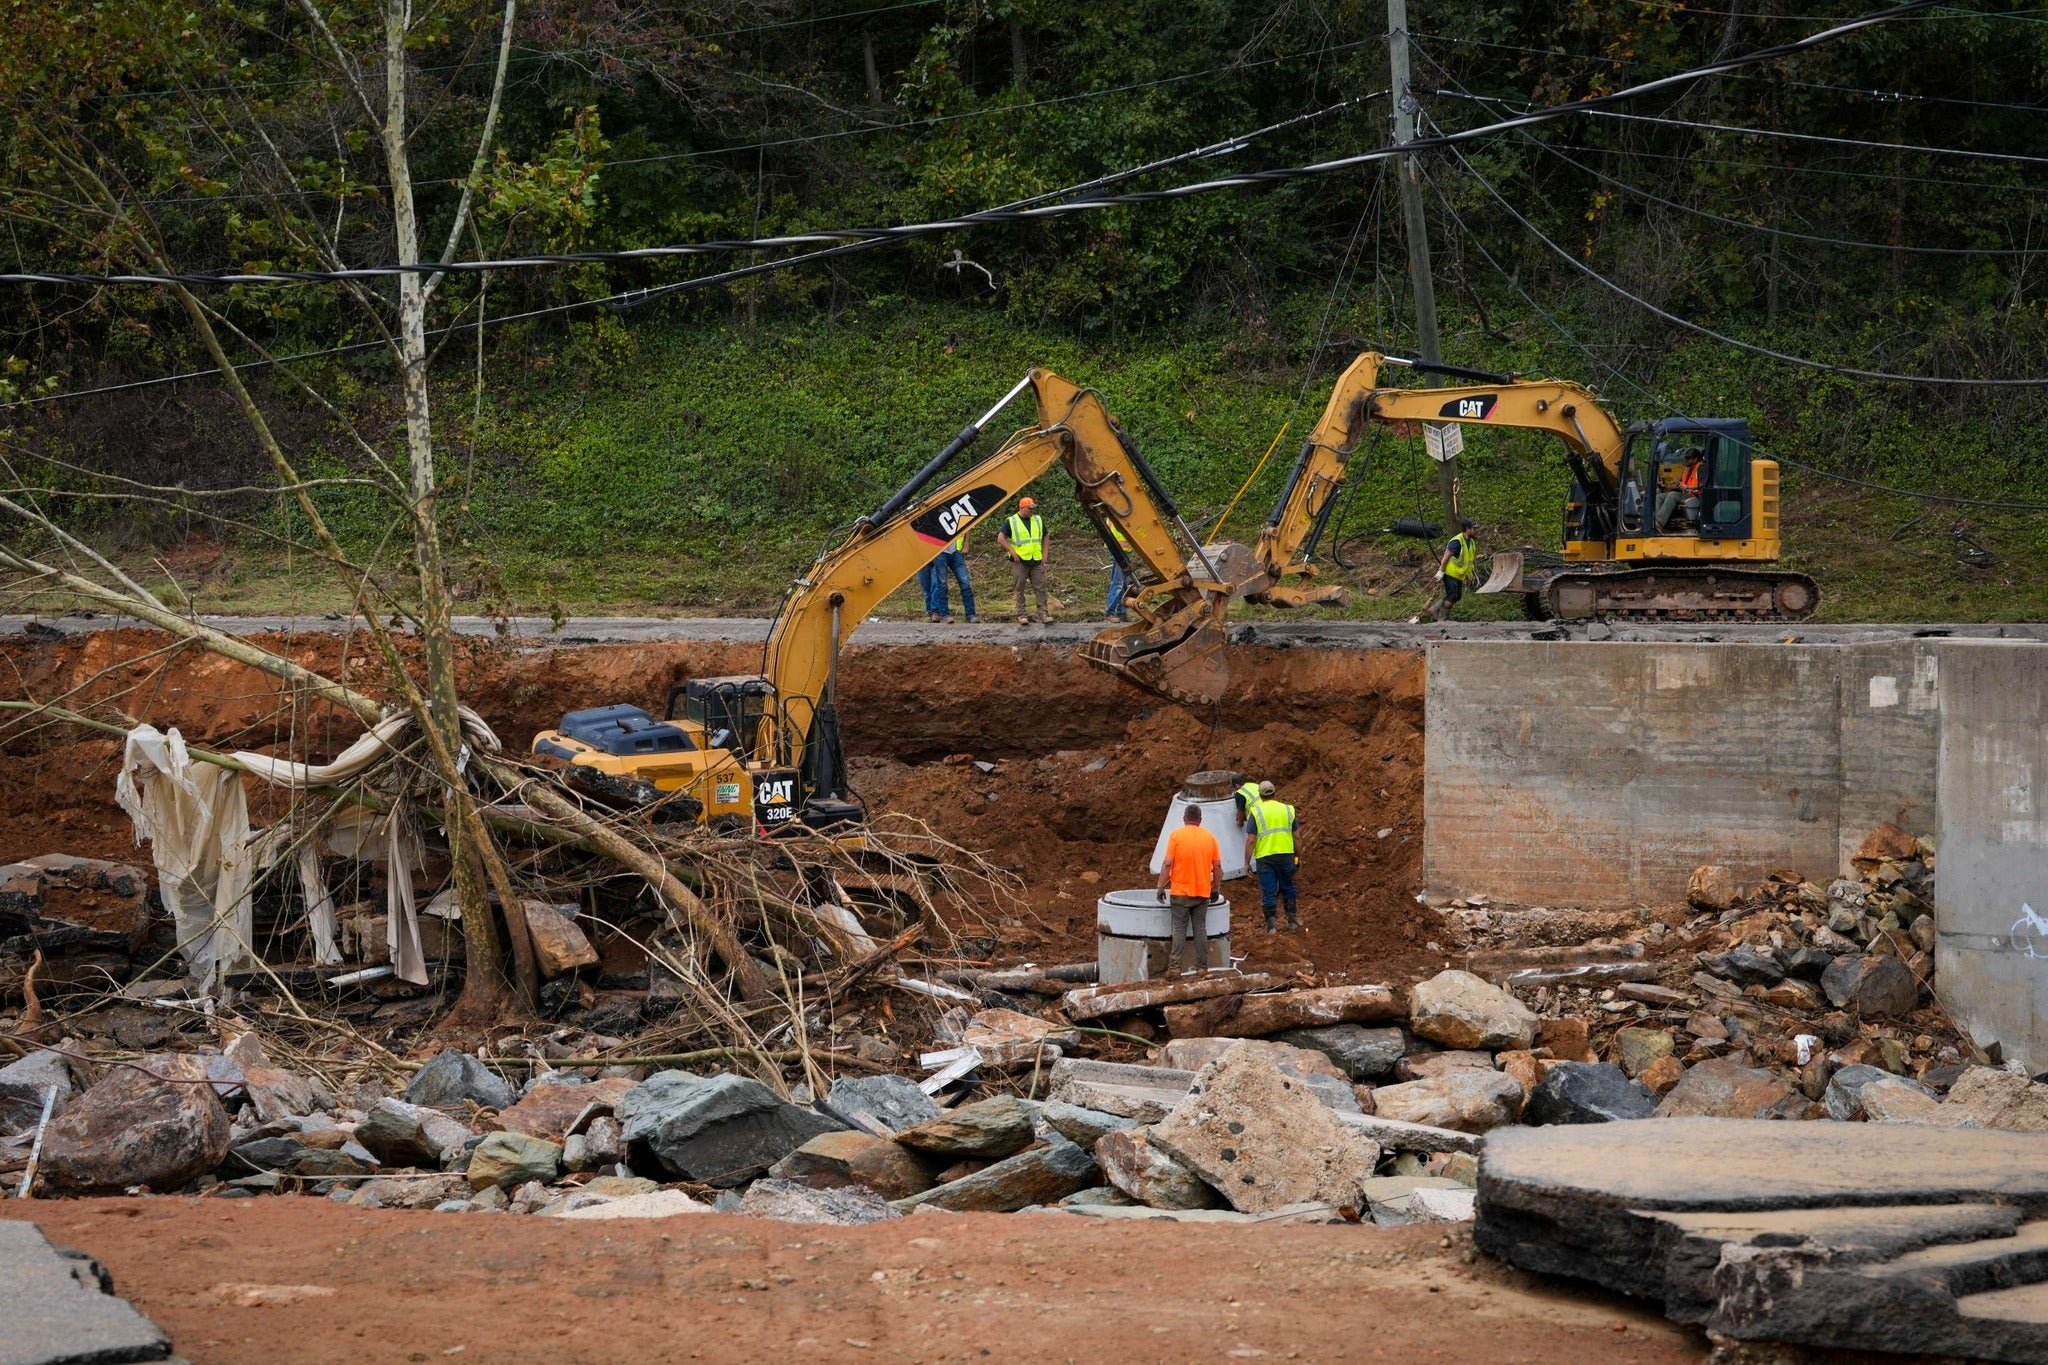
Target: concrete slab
column 1850, row 1236
column 60, row 1310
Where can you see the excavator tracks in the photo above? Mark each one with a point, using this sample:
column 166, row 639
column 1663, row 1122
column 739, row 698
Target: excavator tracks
column 1666, row 593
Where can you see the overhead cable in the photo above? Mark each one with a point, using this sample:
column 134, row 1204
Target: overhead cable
column 1252, row 180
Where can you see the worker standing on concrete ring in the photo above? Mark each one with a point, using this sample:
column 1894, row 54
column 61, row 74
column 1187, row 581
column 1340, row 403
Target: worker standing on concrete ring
column 1190, row 876
column 1023, row 539
column 1269, row 848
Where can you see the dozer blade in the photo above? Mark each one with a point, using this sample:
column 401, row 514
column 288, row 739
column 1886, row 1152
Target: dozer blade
column 1192, row 670
column 1507, row 573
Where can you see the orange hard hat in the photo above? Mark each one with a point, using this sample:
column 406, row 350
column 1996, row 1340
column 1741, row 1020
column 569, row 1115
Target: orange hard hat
column 1027, row 502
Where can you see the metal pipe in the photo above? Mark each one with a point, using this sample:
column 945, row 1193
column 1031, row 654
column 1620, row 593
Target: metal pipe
column 1196, row 545
column 1451, row 371
column 960, row 442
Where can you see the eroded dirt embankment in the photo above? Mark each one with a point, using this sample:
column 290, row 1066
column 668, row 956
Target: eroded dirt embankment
column 1084, row 764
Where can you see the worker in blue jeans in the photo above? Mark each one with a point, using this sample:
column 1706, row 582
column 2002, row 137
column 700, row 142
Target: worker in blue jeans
column 1269, row 848
column 938, row 604
column 1114, row 608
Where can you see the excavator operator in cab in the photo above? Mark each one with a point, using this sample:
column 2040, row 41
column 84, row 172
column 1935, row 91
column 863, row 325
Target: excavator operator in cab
column 1685, row 492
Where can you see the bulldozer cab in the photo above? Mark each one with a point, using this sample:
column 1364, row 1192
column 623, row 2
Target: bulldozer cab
column 1656, row 500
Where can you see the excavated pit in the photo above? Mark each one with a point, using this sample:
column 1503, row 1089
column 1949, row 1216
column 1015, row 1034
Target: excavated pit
column 1084, row 765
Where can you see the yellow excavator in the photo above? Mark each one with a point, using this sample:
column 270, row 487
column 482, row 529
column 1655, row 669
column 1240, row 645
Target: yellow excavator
column 1665, row 519
column 762, row 752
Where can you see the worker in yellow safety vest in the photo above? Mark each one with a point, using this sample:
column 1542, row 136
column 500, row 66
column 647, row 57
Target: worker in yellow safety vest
column 1023, row 539
column 1114, row 609
column 1269, row 848
column 1457, row 567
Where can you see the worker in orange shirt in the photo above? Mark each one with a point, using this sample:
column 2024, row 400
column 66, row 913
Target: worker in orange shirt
column 1188, row 879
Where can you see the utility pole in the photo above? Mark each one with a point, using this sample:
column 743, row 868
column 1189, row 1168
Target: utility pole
column 1409, row 173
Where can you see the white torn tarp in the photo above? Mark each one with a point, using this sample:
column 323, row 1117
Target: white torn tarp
column 377, row 744
column 195, row 818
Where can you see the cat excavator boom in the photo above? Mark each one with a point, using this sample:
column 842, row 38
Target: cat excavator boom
column 764, row 750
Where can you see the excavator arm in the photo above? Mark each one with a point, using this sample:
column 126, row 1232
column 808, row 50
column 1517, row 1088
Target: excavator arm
column 1174, row 648
column 1593, row 442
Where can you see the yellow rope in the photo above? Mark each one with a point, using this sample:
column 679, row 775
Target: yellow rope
column 1246, row 486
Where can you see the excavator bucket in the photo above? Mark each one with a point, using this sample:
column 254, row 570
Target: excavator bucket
column 1191, row 670
column 1507, row 573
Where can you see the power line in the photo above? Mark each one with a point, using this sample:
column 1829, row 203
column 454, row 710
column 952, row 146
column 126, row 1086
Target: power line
column 1771, row 231
column 1470, row 236
column 636, row 297
column 1255, row 179
column 1700, row 125
column 1722, row 337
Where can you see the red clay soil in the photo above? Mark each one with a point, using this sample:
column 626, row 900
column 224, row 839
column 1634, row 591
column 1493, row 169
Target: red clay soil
column 1085, row 764
column 306, row 1280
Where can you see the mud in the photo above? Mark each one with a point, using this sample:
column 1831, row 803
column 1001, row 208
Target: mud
column 1084, row 764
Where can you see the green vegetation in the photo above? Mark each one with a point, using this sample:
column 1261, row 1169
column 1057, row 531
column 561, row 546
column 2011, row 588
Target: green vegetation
column 693, row 454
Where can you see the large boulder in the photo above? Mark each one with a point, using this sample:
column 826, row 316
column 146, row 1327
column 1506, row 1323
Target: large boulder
column 1418, row 1066
column 154, row 1123
column 831, row 1160
column 455, row 1079
column 986, row 1128
column 792, row 1202
column 1037, row 1175
column 401, row 1134
column 509, row 1160
column 1076, row 1124
column 275, row 1093
column 24, row 1083
column 1364, row 1054
column 1587, row 1092
column 1724, row 1088
column 1844, row 1094
column 1141, row 1170
column 1875, row 987
column 720, row 1130
column 1467, row 1100
column 1263, row 1140
column 1894, row 1099
column 1745, row 966
column 1459, row 1010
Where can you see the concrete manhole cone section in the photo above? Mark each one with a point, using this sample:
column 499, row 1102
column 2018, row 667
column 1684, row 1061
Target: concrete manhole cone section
column 1134, row 935
column 1214, row 794
column 1858, row 1236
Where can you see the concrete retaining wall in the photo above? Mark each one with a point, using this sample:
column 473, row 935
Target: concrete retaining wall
column 1600, row 775
column 1991, row 959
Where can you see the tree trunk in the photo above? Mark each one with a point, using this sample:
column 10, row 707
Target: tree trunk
column 483, row 988
column 873, row 72
column 1020, row 64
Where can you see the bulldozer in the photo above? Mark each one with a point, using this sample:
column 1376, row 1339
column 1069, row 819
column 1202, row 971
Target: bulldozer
column 762, row 753
column 1671, row 519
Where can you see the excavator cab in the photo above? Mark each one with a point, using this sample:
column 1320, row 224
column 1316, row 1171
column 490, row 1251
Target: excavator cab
column 1657, row 455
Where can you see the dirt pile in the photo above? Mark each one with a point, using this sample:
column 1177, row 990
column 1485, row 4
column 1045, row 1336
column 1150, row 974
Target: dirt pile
column 1084, row 766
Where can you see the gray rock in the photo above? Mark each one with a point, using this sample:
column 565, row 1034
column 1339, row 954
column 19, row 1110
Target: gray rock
column 895, row 1102
column 1723, row 1087
column 155, row 1123
column 1039, row 1175
column 792, row 1202
column 1365, row 1054
column 454, row 1079
column 1844, row 1096
column 854, row 1158
column 1807, row 964
column 1102, row 1196
column 401, row 1134
column 1587, row 1092
column 986, row 1128
column 1745, row 966
column 1875, row 987
column 510, row 1160
column 1083, row 1126
column 61, row 1308
column 24, row 1082
column 721, row 1130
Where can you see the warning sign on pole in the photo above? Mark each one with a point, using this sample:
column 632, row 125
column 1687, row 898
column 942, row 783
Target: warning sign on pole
column 1444, row 442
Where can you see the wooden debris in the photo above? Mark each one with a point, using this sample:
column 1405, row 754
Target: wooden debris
column 1100, row 1002
column 1255, row 1016
column 1498, row 964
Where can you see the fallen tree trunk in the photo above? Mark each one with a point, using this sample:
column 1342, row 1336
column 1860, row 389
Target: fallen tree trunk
column 1101, row 1002
column 1256, row 1016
